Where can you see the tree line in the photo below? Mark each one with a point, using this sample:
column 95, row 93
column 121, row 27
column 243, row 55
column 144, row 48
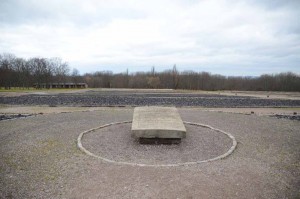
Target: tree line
column 24, row 73
column 19, row 72
column 173, row 79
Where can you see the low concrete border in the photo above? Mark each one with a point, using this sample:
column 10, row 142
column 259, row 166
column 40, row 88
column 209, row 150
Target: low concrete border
column 232, row 148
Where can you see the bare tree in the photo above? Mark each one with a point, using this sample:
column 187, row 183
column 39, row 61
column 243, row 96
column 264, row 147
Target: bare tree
column 153, row 82
column 175, row 76
column 75, row 76
column 61, row 69
column 22, row 73
column 7, row 70
column 42, row 71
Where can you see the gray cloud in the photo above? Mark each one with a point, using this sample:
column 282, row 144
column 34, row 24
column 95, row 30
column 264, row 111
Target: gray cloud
column 275, row 4
column 247, row 37
column 56, row 11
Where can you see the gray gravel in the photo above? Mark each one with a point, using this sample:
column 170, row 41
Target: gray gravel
column 13, row 116
column 116, row 143
column 39, row 159
column 290, row 117
column 131, row 98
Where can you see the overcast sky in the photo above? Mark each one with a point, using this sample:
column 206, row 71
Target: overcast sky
column 229, row 37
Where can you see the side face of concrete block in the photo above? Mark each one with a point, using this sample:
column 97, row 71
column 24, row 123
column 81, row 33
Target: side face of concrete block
column 157, row 122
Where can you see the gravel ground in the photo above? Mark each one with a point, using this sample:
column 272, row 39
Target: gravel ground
column 290, row 117
column 137, row 98
column 13, row 116
column 116, row 143
column 39, row 159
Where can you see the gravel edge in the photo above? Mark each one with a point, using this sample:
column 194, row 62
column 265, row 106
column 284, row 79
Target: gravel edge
column 83, row 149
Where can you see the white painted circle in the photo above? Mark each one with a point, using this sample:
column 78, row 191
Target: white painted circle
column 82, row 148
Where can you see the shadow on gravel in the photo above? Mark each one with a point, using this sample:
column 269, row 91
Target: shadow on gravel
column 289, row 117
column 13, row 116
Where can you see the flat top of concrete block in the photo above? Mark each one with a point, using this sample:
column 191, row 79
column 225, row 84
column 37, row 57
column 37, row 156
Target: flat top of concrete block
column 157, row 118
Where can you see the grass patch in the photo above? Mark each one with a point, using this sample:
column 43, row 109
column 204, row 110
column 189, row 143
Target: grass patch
column 17, row 89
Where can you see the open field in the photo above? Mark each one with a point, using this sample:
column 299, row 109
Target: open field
column 131, row 97
column 40, row 157
column 19, row 91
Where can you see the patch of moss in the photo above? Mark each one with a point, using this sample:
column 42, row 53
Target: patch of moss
column 10, row 161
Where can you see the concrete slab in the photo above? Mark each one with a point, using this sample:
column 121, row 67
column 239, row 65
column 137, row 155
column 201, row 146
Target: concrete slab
column 157, row 122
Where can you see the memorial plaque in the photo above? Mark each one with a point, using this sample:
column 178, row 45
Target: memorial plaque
column 157, row 123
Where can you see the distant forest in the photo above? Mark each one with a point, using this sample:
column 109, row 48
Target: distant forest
column 24, row 73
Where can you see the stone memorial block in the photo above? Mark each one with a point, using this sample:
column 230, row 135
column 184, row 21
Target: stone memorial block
column 154, row 122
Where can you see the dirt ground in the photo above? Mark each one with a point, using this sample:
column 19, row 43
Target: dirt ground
column 40, row 158
column 259, row 94
column 13, row 109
